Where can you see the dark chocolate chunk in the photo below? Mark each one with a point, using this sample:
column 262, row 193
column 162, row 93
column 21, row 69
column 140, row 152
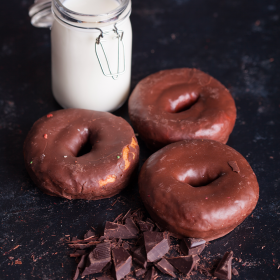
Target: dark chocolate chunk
column 131, row 226
column 139, row 256
column 122, row 261
column 192, row 246
column 145, row 226
column 156, row 245
column 184, row 264
column 165, row 267
column 113, row 230
column 98, row 258
column 234, row 166
column 139, row 271
column 223, row 270
column 151, row 274
column 234, row 271
column 194, row 242
column 80, row 267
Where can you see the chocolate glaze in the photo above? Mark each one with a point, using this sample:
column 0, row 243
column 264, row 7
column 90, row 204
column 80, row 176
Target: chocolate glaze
column 189, row 188
column 53, row 143
column 178, row 104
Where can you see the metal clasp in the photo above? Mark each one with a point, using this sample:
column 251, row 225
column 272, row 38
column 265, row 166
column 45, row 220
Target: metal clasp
column 99, row 40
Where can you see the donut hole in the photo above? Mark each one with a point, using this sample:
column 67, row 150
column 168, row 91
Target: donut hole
column 197, row 179
column 86, row 147
column 205, row 181
column 180, row 98
column 183, row 105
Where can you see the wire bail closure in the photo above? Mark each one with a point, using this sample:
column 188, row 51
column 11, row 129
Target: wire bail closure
column 99, row 40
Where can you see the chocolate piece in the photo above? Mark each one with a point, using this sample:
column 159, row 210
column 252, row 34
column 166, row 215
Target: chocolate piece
column 185, row 197
column 98, row 258
column 165, row 267
column 127, row 231
column 122, row 261
column 184, row 264
column 139, row 256
column 131, row 226
column 234, row 271
column 58, row 168
column 80, row 267
column 192, row 246
column 145, row 226
column 223, row 270
column 234, row 166
column 151, row 274
column 156, row 245
column 139, row 271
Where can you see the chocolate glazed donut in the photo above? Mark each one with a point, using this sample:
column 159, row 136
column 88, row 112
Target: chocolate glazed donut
column 198, row 188
column 51, row 153
column 178, row 104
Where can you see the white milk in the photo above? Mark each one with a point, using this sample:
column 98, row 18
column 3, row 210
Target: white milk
column 77, row 78
column 94, row 7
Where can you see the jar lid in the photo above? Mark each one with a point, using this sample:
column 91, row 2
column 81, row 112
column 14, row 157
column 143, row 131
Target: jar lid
column 41, row 13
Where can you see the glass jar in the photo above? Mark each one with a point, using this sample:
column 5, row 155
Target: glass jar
column 91, row 53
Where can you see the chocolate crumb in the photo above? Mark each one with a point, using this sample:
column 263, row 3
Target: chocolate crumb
column 234, row 271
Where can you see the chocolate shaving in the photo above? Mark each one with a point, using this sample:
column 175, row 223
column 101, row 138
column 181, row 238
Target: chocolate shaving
column 156, row 245
column 234, row 166
column 223, row 270
column 127, row 215
column 165, row 267
column 78, row 253
column 122, row 261
column 83, row 246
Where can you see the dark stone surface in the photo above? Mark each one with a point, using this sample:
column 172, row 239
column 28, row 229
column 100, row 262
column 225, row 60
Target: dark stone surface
column 235, row 41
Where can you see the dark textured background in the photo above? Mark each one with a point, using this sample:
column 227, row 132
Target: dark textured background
column 235, row 41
